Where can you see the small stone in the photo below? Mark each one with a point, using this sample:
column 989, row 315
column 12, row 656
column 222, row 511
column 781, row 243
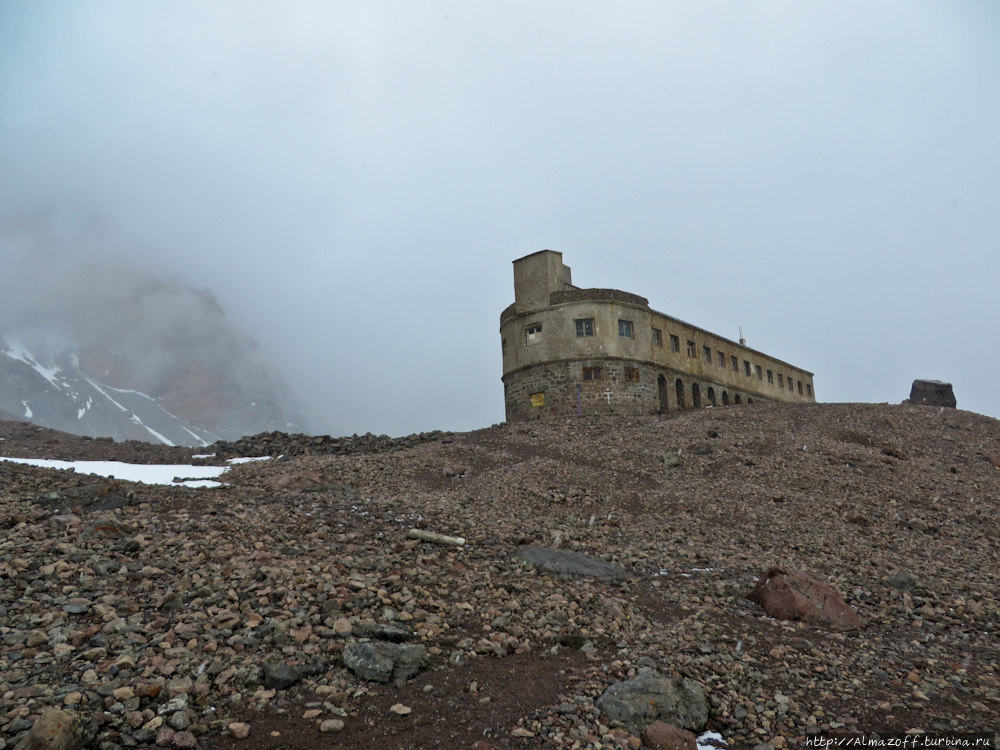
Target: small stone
column 239, row 730
column 180, row 721
column 123, row 693
column 521, row 732
column 342, row 627
column 164, row 737
column 400, row 710
column 185, row 740
column 312, row 713
column 662, row 736
column 331, row 725
column 73, row 698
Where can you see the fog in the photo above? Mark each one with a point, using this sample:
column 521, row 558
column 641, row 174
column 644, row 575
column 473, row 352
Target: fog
column 352, row 180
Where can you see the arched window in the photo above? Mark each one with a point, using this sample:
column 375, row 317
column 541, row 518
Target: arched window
column 711, row 395
column 661, row 389
column 696, row 395
column 679, row 387
column 738, row 399
column 725, row 398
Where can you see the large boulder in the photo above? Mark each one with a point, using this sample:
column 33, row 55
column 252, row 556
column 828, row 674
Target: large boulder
column 380, row 662
column 650, row 697
column 59, row 730
column 570, row 565
column 932, row 393
column 787, row 594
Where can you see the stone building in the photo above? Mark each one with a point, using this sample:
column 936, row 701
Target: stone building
column 602, row 351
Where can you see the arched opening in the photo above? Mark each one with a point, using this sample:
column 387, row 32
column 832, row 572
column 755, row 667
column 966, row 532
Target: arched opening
column 711, row 395
column 725, row 398
column 661, row 388
column 696, row 395
column 749, row 400
column 737, row 398
column 679, row 387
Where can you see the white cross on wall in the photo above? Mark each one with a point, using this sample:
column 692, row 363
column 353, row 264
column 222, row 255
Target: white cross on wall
column 607, row 394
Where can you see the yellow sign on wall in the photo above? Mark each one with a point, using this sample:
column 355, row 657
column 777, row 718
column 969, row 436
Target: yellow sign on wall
column 538, row 399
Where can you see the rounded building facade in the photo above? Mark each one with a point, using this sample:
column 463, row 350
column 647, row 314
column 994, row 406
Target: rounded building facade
column 603, row 351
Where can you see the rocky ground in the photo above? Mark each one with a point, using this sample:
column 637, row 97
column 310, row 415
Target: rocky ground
column 236, row 617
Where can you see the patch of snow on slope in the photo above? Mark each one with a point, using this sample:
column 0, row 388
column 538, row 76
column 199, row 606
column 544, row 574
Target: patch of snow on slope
column 248, row 459
column 199, row 476
column 17, row 350
column 150, row 430
column 27, row 410
column 204, row 443
column 132, row 416
column 83, row 409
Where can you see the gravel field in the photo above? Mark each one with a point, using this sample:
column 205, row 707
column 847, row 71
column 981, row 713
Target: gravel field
column 235, row 617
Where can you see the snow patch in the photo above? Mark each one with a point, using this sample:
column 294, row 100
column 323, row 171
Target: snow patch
column 195, row 476
column 27, row 410
column 17, row 350
column 83, row 410
column 204, row 443
column 203, row 455
column 710, row 741
column 247, row 459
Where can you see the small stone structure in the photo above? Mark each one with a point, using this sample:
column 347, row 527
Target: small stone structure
column 932, row 393
column 570, row 351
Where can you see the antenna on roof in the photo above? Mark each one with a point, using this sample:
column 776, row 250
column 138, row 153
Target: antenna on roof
column 743, row 341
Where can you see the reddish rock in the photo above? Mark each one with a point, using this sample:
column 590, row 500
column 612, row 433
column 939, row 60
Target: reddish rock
column 662, row 736
column 787, row 594
column 59, row 730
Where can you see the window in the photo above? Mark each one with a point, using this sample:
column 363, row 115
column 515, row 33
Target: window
column 691, row 349
column 706, row 352
column 722, row 359
column 657, row 337
column 770, row 377
column 624, row 329
column 734, row 362
column 746, row 368
column 781, row 380
column 538, row 399
column 631, row 374
column 584, row 326
column 800, row 387
column 534, row 333
column 809, row 390
column 503, row 347
column 760, row 373
column 592, row 373
column 675, row 343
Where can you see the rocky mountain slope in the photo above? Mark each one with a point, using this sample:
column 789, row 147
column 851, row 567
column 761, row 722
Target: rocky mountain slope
column 145, row 360
column 265, row 613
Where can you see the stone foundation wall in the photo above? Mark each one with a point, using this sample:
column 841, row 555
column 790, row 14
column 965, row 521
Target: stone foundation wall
column 564, row 392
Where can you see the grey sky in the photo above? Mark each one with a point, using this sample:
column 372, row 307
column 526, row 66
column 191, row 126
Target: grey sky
column 352, row 180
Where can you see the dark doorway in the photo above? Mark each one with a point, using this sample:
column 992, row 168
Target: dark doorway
column 738, row 398
column 696, row 395
column 725, row 398
column 711, row 395
column 661, row 387
column 679, row 386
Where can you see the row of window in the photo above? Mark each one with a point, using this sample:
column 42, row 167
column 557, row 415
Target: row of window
column 597, row 373
column 585, row 327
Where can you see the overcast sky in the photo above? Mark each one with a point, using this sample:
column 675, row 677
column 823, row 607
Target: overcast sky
column 353, row 180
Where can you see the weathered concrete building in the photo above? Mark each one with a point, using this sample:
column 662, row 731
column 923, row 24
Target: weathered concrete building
column 598, row 351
